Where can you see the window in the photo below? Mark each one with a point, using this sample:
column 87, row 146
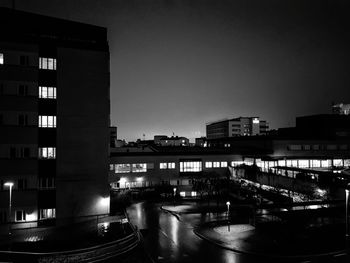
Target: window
column 294, row 147
column 22, row 90
column 23, row 120
column 223, row 164
column 3, row 217
column 46, row 182
column 20, row 215
column 338, row 162
column 303, row 163
column 24, row 60
column 47, row 153
column 111, row 167
column 47, row 213
column 1, row 58
column 193, row 193
column 208, row 164
column 122, row 168
column 47, row 121
column 315, row 163
column 191, row 166
column 47, row 92
column 216, row 164
column 47, row 63
column 182, row 194
column 22, row 184
column 139, row 167
column 166, row 166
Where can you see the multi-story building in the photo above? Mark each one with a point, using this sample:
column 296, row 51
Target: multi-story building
column 242, row 126
column 54, row 119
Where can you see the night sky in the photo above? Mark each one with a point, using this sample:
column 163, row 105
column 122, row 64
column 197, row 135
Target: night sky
column 177, row 64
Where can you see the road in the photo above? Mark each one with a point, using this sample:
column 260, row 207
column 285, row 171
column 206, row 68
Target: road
column 170, row 239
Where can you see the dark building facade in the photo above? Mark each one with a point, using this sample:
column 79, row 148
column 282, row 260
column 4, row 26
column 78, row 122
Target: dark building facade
column 54, row 119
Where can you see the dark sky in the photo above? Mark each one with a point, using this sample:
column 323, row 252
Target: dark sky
column 177, row 64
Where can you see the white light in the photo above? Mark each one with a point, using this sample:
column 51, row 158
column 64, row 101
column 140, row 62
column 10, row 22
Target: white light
column 31, row 217
column 122, row 180
column 256, row 121
column 228, row 203
column 9, row 184
column 139, row 179
column 105, row 201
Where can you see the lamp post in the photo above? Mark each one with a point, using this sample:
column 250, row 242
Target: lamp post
column 347, row 190
column 174, row 189
column 10, row 185
column 228, row 215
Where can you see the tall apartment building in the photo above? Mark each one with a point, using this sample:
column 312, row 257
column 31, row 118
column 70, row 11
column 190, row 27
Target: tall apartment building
column 54, row 119
column 242, row 126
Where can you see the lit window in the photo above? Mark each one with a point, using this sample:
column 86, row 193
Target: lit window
column 182, row 194
column 20, row 215
column 194, row 166
column 47, row 63
column 47, row 213
column 208, row 164
column 1, row 58
column 315, row 163
column 163, row 166
column 139, row 167
column 326, row 163
column 303, row 163
column 223, row 164
column 122, row 168
column 216, row 164
column 47, row 121
column 47, row 153
column 338, row 162
column 111, row 167
column 47, row 92
column 171, row 165
column 193, row 194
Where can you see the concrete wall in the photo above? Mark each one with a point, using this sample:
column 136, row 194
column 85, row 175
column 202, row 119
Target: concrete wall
column 82, row 132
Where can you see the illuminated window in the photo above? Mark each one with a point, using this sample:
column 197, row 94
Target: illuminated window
column 171, row 165
column 208, row 164
column 47, row 92
column 338, row 162
column 281, row 162
column 122, row 168
column 47, row 121
column 163, row 166
column 47, row 213
column 347, row 162
column 303, row 163
column 193, row 194
column 315, row 163
column 216, row 164
column 47, row 153
column 326, row 163
column 47, row 63
column 20, row 215
column 182, row 194
column 139, row 167
column 1, row 58
column 191, row 166
column 111, row 167
column 223, row 164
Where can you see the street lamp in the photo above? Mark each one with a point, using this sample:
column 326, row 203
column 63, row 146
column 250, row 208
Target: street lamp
column 10, row 185
column 174, row 189
column 228, row 215
column 347, row 190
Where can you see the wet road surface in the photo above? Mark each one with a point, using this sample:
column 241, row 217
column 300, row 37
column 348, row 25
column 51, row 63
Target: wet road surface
column 168, row 238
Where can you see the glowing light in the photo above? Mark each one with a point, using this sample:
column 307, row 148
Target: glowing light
column 256, row 121
column 9, row 184
column 139, row 179
column 105, row 201
column 31, row 217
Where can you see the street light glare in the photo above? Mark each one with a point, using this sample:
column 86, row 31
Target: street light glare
column 228, row 203
column 10, row 184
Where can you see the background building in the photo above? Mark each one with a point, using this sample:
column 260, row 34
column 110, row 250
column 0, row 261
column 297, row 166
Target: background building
column 341, row 109
column 242, row 126
column 54, row 118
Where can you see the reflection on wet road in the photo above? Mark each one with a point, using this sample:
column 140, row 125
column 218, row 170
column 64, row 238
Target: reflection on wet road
column 169, row 239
